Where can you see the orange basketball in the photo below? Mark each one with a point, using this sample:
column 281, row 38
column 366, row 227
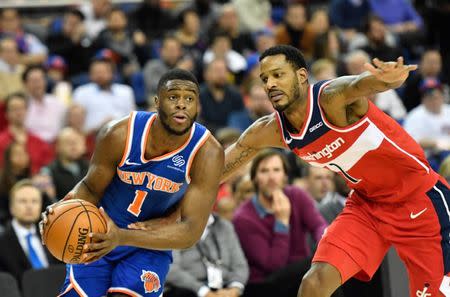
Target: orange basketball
column 68, row 228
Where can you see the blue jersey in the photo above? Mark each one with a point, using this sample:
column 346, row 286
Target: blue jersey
column 143, row 189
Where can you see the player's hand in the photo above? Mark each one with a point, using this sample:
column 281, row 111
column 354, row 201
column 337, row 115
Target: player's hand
column 102, row 243
column 229, row 292
column 155, row 223
column 49, row 210
column 390, row 72
column 281, row 206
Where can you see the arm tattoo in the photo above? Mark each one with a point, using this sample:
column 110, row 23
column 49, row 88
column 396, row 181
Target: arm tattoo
column 241, row 159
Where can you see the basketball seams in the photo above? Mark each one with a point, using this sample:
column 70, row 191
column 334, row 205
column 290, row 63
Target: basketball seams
column 69, row 234
column 101, row 219
column 54, row 221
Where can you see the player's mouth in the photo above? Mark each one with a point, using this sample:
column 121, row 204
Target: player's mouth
column 180, row 118
column 275, row 95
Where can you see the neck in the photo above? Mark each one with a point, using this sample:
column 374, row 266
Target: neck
column 167, row 141
column 265, row 202
column 296, row 113
column 39, row 97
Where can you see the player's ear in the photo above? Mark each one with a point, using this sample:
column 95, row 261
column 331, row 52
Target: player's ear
column 302, row 75
column 156, row 99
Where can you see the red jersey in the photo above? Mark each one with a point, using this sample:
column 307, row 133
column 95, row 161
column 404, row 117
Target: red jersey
column 378, row 159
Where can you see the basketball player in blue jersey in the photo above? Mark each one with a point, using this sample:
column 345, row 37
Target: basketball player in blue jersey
column 143, row 166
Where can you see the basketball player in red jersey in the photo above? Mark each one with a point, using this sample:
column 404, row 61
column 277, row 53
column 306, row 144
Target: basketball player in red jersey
column 397, row 199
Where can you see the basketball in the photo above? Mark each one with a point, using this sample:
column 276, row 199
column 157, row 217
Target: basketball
column 68, row 229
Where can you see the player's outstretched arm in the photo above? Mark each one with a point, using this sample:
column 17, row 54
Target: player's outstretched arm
column 195, row 208
column 379, row 77
column 263, row 133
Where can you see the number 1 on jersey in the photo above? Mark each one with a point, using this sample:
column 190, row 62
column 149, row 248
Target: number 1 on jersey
column 136, row 205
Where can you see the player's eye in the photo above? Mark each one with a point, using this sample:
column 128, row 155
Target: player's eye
column 172, row 97
column 278, row 75
column 264, row 79
column 190, row 98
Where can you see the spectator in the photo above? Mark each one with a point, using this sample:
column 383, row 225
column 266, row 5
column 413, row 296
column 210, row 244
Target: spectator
column 16, row 167
column 119, row 39
column 429, row 123
column 333, row 205
column 319, row 183
column 95, row 16
column 39, row 151
column 387, row 101
column 258, row 105
column 273, row 227
column 254, row 15
column 21, row 247
column 349, row 16
column 377, row 42
column 76, row 119
column 69, row 167
column 323, row 69
column 152, row 20
column 73, row 44
column 170, row 56
column 56, row 68
column 188, row 34
column 291, row 31
column 102, row 99
column 444, row 169
column 215, row 266
column 328, row 46
column 221, row 49
column 10, row 68
column 207, row 11
column 228, row 22
column 45, row 116
column 218, row 98
column 244, row 190
column 32, row 50
column 264, row 39
column 430, row 68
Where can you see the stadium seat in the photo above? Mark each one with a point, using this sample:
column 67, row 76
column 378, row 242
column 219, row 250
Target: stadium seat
column 8, row 285
column 43, row 283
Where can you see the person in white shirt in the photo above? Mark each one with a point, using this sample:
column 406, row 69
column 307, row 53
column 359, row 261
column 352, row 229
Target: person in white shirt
column 46, row 113
column 102, row 99
column 21, row 247
column 96, row 13
column 429, row 123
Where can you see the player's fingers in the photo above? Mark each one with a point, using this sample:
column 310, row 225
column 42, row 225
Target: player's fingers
column 98, row 237
column 400, row 62
column 105, row 216
column 380, row 64
column 412, row 67
column 138, row 226
column 91, row 247
column 369, row 67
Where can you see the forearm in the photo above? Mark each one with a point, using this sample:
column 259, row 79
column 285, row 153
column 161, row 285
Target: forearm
column 180, row 235
column 367, row 84
column 84, row 192
column 236, row 156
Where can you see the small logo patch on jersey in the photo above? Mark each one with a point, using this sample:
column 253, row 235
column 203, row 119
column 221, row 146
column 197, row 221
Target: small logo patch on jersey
column 316, row 126
column 127, row 162
column 151, row 281
column 416, row 215
column 288, row 140
column 178, row 161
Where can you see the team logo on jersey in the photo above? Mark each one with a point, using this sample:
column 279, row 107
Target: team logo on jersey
column 423, row 293
column 326, row 152
column 178, row 161
column 151, row 281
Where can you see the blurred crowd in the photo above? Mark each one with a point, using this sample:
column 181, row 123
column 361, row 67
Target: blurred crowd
column 63, row 77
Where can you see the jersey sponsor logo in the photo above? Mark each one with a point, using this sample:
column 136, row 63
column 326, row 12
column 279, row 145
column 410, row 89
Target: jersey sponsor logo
column 178, row 161
column 153, row 181
column 423, row 293
column 151, row 281
column 327, row 151
column 316, row 126
column 127, row 162
column 416, row 215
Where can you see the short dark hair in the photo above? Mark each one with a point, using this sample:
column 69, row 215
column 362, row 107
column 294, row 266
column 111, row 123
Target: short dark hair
column 263, row 155
column 12, row 96
column 32, row 68
column 292, row 54
column 176, row 73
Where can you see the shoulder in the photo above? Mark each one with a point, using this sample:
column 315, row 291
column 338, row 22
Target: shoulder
column 211, row 148
column 264, row 132
column 296, row 194
column 121, row 88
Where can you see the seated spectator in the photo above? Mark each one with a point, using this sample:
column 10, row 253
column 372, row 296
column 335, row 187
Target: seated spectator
column 15, row 168
column 273, row 227
column 323, row 69
column 221, row 49
column 32, row 50
column 152, row 20
column 70, row 166
column 349, row 16
column 10, row 68
column 96, row 14
column 318, row 183
column 119, row 39
column 45, row 116
column 170, row 57
column 73, row 44
column 229, row 22
column 328, row 46
column 188, row 34
column 254, row 15
column 388, row 101
column 377, row 41
column 430, row 67
column 258, row 105
column 218, row 97
column 76, row 119
column 21, row 247
column 40, row 152
column 215, row 266
column 244, row 190
column 429, row 123
column 102, row 99
column 291, row 30
column 333, row 205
